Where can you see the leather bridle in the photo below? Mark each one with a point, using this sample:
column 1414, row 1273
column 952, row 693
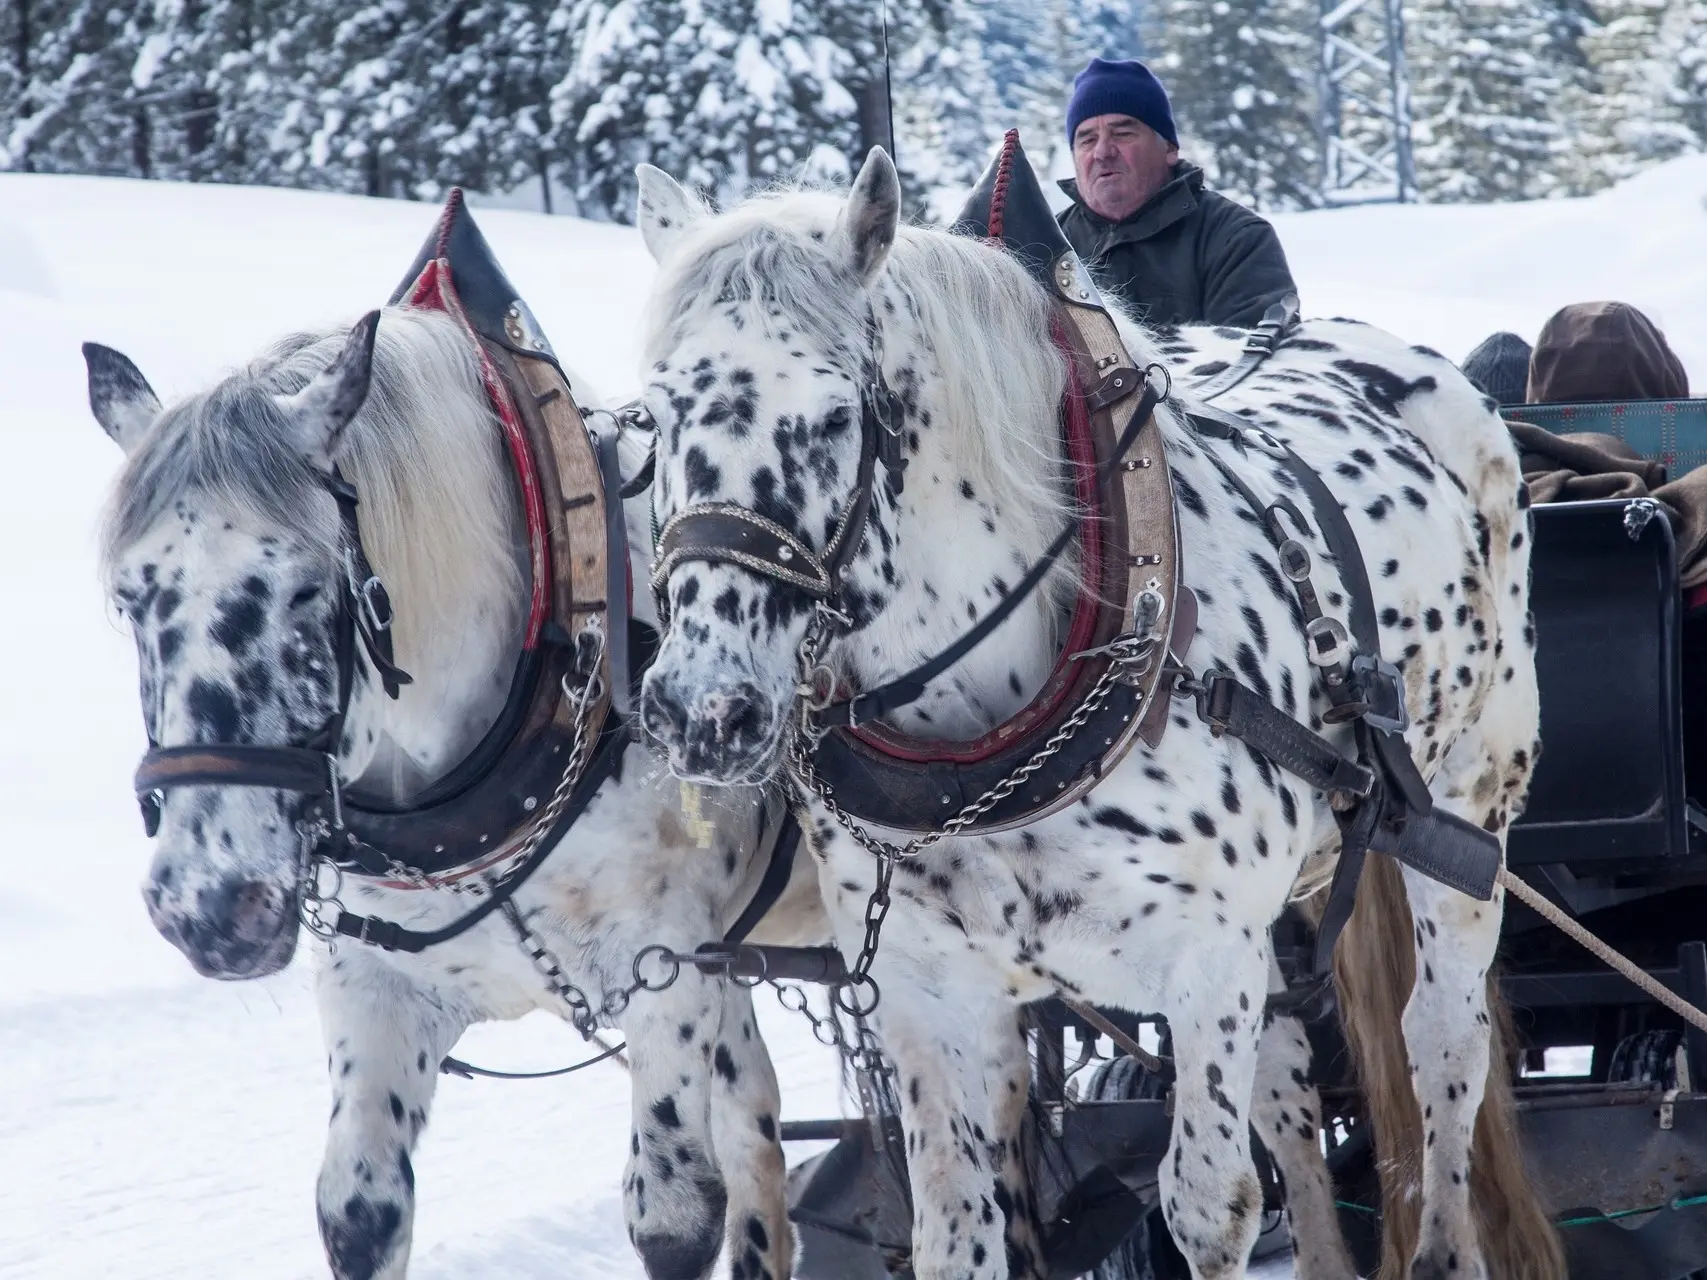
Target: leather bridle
column 728, row 533
column 362, row 615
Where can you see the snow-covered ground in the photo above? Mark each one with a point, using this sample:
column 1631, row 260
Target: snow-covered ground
column 156, row 1125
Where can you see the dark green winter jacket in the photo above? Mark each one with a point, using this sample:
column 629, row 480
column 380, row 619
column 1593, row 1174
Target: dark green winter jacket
column 1187, row 256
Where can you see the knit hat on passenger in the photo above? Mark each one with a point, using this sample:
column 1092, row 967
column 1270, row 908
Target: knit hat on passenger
column 1499, row 367
column 1126, row 88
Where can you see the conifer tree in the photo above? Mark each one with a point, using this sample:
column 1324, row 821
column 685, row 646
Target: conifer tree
column 1494, row 88
column 1647, row 59
column 726, row 95
column 1242, row 78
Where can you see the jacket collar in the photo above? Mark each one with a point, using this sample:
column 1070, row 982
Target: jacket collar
column 1177, row 198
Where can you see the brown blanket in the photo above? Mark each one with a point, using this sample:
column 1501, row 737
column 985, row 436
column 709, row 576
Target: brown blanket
column 1585, row 465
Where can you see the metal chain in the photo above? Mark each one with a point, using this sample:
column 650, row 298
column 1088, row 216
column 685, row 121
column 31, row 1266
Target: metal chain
column 806, row 777
column 862, row 1053
column 582, row 1015
column 1130, row 658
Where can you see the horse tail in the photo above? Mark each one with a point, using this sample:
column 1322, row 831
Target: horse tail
column 1374, row 969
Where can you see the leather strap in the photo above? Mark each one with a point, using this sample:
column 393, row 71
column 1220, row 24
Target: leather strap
column 1395, row 813
column 724, row 533
column 220, row 765
column 785, row 842
column 388, row 935
column 874, row 704
column 1231, row 708
column 1275, row 324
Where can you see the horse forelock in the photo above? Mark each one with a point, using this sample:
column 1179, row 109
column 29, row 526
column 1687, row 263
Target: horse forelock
column 434, row 497
column 963, row 331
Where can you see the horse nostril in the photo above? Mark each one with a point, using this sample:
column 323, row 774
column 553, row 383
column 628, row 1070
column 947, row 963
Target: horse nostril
column 662, row 715
column 744, row 718
column 252, row 910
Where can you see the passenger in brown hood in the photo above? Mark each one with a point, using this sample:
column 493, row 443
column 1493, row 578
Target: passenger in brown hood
column 1603, row 351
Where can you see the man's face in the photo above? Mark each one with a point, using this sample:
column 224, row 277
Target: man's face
column 1120, row 163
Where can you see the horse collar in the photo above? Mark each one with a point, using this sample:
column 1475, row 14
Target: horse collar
column 1112, row 680
column 504, row 807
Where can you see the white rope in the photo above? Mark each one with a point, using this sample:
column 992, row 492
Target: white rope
column 1646, row 981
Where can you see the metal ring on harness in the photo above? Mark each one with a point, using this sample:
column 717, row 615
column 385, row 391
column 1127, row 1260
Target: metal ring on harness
column 663, row 953
column 843, row 997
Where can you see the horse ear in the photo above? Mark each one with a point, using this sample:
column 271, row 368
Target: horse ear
column 665, row 209
column 322, row 409
column 873, row 214
column 119, row 396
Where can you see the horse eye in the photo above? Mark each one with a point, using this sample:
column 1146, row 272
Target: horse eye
column 304, row 596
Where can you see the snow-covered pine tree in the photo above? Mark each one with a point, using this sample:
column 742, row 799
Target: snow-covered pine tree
column 727, row 95
column 1494, row 88
column 68, row 68
column 1112, row 28
column 1687, row 36
column 946, row 105
column 1242, row 78
column 1647, row 58
column 212, row 76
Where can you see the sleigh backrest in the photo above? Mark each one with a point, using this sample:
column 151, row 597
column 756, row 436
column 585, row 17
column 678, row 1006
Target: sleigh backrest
column 1673, row 432
column 1609, row 785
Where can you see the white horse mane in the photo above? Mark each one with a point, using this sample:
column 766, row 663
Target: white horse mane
column 984, row 320
column 424, row 455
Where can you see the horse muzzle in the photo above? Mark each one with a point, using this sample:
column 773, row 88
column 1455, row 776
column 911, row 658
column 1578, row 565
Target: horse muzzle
column 233, row 930
column 725, row 735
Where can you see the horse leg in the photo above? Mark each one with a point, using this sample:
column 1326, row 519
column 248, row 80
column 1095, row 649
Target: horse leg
column 745, row 1108
column 1009, row 1073
column 1211, row 1197
column 674, row 1197
column 948, row 1047
column 385, row 1037
column 1446, row 1030
column 1286, row 1111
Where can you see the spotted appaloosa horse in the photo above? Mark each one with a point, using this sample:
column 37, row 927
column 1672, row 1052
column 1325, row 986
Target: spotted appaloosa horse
column 1156, row 891
column 222, row 551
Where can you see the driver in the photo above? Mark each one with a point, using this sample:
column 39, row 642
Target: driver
column 1141, row 219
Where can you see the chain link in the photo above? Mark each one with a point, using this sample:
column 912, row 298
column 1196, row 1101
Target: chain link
column 862, row 1052
column 582, row 1015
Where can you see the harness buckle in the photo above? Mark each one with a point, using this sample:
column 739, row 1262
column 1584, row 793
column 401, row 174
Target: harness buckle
column 335, row 791
column 370, row 595
column 1257, row 438
column 1380, row 686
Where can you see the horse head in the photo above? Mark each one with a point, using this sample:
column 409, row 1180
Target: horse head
column 761, row 343
column 228, row 549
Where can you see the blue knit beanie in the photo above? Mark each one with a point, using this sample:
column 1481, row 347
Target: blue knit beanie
column 1126, row 88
